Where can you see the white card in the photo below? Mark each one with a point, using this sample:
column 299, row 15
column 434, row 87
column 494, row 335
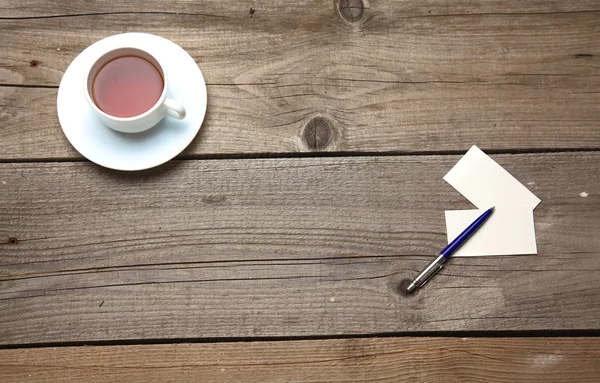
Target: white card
column 508, row 231
column 485, row 183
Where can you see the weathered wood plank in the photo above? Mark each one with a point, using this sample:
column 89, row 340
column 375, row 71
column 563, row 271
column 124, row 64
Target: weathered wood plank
column 401, row 79
column 499, row 360
column 30, row 129
column 27, row 9
column 282, row 247
column 29, row 125
column 295, row 48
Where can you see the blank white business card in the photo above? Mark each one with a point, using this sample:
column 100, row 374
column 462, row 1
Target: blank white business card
column 485, row 183
column 508, row 231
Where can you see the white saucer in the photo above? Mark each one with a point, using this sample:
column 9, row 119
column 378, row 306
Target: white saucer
column 133, row 151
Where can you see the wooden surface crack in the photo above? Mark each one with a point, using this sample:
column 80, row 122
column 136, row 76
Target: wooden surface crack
column 28, row 86
column 135, row 13
column 475, row 14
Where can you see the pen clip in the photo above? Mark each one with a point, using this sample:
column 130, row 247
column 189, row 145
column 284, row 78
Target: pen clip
column 431, row 273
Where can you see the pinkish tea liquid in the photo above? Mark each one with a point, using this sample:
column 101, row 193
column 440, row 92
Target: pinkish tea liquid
column 127, row 86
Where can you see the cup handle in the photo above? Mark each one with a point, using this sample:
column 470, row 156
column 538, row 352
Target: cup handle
column 174, row 109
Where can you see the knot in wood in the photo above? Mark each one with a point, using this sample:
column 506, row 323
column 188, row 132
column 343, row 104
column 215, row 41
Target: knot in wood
column 351, row 10
column 317, row 134
column 402, row 288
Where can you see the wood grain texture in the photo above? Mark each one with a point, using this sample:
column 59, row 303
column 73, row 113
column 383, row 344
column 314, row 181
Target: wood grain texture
column 409, row 76
column 14, row 9
column 383, row 360
column 282, row 247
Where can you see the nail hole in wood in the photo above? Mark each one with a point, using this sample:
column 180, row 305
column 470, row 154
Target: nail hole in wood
column 317, row 134
column 13, row 241
column 351, row 10
column 33, row 64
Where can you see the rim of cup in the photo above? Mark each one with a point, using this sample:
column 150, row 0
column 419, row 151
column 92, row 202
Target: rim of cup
column 88, row 85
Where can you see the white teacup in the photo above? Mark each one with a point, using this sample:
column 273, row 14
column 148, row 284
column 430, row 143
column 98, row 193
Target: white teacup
column 163, row 107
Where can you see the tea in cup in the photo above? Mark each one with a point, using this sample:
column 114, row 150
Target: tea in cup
column 127, row 89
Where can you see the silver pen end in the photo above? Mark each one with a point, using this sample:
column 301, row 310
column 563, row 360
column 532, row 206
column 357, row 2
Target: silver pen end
column 411, row 287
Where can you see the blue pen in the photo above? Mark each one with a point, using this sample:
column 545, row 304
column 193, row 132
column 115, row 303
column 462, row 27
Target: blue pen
column 438, row 264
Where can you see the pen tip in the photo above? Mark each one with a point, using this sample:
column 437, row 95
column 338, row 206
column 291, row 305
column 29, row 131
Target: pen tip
column 492, row 208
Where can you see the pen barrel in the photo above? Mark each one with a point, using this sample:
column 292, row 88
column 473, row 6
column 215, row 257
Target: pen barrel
column 435, row 266
column 430, row 271
column 469, row 231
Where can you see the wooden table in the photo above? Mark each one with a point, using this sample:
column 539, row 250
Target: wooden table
column 277, row 246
